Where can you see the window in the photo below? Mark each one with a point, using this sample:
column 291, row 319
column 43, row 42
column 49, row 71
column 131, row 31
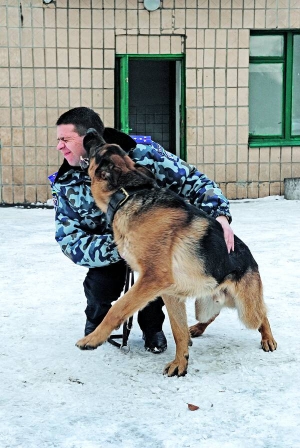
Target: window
column 274, row 89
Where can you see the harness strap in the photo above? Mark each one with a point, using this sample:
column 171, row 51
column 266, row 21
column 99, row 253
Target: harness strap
column 119, row 198
column 127, row 325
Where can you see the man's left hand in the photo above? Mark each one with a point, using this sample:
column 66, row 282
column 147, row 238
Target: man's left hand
column 228, row 232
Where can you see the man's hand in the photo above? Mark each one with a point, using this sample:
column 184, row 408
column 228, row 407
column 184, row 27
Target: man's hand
column 228, row 232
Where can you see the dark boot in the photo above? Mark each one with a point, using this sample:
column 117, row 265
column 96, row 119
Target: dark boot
column 155, row 342
column 89, row 327
column 151, row 320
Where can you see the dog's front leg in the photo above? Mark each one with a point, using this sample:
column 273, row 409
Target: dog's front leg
column 142, row 292
column 177, row 314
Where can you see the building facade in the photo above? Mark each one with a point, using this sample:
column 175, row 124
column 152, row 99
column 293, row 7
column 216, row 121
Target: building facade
column 214, row 81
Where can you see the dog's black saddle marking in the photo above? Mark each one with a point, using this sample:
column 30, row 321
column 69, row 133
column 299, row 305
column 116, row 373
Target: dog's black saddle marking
column 119, row 198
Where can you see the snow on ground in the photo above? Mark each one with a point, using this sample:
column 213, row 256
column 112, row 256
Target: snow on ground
column 54, row 395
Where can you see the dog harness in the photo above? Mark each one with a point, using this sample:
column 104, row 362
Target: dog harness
column 119, row 198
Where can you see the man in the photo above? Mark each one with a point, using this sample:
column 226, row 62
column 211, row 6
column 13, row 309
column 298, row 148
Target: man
column 81, row 228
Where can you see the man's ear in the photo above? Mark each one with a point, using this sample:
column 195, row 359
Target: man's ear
column 92, row 140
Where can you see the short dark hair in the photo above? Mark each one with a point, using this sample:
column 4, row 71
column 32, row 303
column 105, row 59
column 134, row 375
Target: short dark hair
column 82, row 118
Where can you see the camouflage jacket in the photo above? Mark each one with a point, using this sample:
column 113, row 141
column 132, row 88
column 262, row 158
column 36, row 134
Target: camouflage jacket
column 81, row 228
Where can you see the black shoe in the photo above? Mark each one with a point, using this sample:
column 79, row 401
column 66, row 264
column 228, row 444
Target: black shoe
column 89, row 327
column 155, row 342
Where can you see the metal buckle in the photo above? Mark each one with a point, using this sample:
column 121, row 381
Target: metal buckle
column 126, row 196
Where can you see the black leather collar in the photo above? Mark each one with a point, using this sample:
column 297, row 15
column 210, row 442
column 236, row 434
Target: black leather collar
column 119, row 198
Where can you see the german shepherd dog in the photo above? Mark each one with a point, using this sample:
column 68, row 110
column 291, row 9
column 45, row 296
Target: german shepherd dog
column 178, row 251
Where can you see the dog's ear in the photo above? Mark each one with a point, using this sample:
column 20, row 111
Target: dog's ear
column 112, row 135
column 92, row 140
column 144, row 170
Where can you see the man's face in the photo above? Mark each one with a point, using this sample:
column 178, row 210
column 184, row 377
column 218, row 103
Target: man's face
column 69, row 143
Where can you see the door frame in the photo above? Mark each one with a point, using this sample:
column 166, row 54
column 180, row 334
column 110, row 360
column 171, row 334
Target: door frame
column 122, row 92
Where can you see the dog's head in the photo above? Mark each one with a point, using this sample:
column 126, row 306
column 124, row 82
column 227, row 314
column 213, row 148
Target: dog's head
column 110, row 165
column 92, row 142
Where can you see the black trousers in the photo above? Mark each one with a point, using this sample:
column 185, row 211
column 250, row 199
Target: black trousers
column 104, row 285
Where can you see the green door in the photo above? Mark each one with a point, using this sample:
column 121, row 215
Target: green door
column 150, row 99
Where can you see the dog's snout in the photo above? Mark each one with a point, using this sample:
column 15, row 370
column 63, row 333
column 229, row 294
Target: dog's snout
column 92, row 141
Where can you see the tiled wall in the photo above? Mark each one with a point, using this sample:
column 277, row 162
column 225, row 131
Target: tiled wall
column 62, row 55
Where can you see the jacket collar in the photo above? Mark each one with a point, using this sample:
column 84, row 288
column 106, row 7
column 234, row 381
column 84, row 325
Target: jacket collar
column 66, row 169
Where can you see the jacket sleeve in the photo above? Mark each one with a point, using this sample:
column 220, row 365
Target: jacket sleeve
column 184, row 179
column 81, row 230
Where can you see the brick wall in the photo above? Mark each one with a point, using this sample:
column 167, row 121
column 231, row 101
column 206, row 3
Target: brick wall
column 57, row 56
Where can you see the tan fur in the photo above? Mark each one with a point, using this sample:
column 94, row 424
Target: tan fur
column 161, row 249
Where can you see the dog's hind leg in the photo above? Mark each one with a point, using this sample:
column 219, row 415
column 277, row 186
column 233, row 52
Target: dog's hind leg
column 143, row 291
column 178, row 319
column 206, row 310
column 248, row 298
column 199, row 328
column 268, row 343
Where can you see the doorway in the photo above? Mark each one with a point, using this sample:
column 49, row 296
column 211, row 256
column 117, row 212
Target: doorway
column 150, row 99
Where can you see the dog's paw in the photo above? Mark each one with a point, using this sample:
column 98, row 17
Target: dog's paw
column 197, row 330
column 268, row 345
column 176, row 368
column 88, row 343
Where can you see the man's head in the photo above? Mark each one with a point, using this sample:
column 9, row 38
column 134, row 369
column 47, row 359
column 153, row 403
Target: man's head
column 82, row 118
column 71, row 128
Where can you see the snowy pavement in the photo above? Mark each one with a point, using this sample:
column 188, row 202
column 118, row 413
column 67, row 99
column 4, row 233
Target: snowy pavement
column 54, row 395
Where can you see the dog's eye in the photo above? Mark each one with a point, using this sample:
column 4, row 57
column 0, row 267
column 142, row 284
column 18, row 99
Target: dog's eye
column 104, row 165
